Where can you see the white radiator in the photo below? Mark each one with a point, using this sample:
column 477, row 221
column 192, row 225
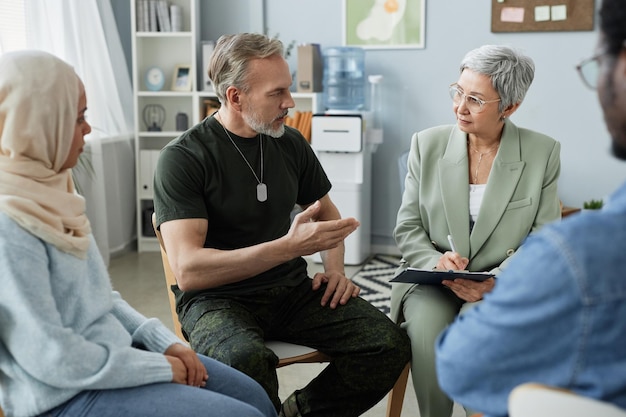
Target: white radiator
column 108, row 186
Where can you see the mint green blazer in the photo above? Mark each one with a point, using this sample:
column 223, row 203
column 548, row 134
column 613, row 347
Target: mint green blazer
column 521, row 196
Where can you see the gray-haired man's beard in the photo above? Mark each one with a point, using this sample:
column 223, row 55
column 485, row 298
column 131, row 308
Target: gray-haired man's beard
column 263, row 128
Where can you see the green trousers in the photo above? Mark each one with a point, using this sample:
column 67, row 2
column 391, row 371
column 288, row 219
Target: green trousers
column 427, row 310
column 368, row 350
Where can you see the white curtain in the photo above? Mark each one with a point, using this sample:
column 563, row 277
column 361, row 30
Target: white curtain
column 84, row 33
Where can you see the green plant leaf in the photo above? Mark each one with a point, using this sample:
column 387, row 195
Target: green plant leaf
column 593, row 204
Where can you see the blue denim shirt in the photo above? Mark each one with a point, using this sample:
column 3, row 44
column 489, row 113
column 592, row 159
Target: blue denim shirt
column 557, row 316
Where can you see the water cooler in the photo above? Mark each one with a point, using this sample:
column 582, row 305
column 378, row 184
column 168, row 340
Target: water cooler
column 344, row 138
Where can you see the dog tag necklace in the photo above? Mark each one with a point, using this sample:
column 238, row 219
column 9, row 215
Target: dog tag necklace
column 261, row 188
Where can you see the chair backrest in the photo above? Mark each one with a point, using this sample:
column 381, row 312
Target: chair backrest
column 538, row 400
column 170, row 279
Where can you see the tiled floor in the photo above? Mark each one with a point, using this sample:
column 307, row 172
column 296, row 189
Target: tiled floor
column 139, row 278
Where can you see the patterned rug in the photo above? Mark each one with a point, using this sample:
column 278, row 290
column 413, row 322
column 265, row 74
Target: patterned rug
column 374, row 278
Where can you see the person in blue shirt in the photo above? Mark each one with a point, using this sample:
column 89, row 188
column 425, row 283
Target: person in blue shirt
column 556, row 314
column 69, row 344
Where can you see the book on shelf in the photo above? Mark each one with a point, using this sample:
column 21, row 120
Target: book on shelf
column 176, row 18
column 301, row 121
column 152, row 8
column 143, row 16
column 158, row 16
column 163, row 16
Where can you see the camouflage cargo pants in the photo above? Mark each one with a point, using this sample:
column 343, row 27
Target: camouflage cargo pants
column 369, row 351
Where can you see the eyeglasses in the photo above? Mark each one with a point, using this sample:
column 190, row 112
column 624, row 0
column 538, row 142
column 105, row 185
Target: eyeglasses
column 473, row 103
column 589, row 70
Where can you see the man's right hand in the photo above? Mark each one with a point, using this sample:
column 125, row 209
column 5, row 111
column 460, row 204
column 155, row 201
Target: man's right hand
column 311, row 235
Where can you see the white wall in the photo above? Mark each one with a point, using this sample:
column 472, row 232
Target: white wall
column 416, row 96
column 416, row 81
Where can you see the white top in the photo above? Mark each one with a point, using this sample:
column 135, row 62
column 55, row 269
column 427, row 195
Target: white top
column 476, row 193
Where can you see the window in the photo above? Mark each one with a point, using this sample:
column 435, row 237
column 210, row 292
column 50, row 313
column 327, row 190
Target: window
column 12, row 25
column 84, row 34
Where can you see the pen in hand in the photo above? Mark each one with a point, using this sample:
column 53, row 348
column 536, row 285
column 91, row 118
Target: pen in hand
column 452, row 245
column 464, row 261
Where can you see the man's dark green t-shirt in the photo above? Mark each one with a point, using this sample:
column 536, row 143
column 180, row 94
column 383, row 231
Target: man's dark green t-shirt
column 201, row 174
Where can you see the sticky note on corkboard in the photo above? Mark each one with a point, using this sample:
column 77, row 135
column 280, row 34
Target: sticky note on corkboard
column 542, row 15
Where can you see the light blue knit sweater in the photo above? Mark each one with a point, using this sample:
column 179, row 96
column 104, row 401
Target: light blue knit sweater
column 64, row 330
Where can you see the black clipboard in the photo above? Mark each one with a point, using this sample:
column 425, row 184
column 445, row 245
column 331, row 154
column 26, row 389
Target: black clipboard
column 434, row 277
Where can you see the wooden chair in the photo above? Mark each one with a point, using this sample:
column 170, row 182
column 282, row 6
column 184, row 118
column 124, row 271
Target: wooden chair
column 288, row 353
column 396, row 395
column 538, row 400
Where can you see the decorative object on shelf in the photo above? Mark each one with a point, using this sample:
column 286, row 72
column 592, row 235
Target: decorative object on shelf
column 154, row 117
column 182, row 121
column 182, row 78
column 155, row 79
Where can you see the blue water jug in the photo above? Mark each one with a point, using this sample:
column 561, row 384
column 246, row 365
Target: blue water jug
column 344, row 78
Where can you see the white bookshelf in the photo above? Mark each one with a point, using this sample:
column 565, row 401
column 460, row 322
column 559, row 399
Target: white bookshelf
column 164, row 50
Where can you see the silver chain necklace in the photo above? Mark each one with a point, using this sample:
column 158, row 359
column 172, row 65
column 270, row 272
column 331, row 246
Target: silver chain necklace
column 261, row 188
column 480, row 157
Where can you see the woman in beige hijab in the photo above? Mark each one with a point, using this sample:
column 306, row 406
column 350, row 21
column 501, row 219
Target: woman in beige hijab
column 69, row 344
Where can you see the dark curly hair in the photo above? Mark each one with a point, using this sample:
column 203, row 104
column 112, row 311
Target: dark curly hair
column 613, row 25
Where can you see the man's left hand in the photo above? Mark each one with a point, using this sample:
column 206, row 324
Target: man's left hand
column 339, row 289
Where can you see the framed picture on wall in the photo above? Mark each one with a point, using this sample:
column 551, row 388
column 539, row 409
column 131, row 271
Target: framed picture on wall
column 182, row 78
column 384, row 24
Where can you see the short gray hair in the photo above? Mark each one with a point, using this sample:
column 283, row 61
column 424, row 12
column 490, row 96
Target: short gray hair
column 511, row 72
column 229, row 62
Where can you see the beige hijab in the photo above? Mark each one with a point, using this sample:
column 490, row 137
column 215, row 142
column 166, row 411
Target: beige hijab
column 38, row 110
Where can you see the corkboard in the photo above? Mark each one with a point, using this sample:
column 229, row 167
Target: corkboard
column 579, row 15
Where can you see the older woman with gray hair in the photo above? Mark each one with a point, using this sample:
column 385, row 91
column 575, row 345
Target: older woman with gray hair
column 473, row 192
